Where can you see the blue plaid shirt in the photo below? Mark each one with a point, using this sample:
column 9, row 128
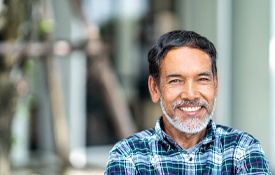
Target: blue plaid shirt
column 222, row 151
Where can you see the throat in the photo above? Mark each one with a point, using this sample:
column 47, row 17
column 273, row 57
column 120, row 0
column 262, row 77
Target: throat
column 185, row 140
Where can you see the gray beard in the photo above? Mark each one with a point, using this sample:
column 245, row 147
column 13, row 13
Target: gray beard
column 189, row 126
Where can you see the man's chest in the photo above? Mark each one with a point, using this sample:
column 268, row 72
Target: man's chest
column 208, row 162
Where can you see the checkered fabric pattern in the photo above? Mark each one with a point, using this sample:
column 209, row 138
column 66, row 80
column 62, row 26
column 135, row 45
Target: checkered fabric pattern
column 222, row 151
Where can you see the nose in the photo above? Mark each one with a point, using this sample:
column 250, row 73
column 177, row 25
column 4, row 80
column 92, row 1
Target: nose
column 189, row 91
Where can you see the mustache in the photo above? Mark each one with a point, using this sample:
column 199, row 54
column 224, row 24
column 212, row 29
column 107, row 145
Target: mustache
column 195, row 102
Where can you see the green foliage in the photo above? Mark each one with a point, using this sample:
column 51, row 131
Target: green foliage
column 45, row 27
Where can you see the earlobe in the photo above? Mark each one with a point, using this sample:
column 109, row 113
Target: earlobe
column 153, row 89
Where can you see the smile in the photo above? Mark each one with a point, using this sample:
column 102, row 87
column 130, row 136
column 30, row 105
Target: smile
column 190, row 109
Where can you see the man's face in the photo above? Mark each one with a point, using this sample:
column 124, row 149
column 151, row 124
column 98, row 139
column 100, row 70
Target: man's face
column 187, row 89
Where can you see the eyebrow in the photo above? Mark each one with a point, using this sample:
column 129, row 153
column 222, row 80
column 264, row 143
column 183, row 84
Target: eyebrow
column 206, row 74
column 173, row 75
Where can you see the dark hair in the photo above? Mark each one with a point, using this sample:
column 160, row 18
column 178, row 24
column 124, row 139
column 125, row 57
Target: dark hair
column 176, row 39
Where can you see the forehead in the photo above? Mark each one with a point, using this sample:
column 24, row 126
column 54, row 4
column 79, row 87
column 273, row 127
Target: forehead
column 186, row 59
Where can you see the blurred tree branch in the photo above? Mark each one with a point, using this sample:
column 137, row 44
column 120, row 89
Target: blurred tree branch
column 10, row 22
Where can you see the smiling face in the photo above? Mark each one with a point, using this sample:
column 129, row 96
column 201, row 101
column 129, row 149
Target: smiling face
column 187, row 89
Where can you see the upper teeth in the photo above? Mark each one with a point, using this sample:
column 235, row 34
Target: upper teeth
column 190, row 109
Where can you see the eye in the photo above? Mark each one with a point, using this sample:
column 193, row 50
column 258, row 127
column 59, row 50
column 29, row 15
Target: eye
column 175, row 81
column 203, row 79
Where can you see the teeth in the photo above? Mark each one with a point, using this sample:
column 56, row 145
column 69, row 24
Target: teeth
column 190, row 109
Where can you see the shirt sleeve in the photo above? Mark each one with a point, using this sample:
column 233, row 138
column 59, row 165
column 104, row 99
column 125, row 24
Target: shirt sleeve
column 253, row 161
column 119, row 164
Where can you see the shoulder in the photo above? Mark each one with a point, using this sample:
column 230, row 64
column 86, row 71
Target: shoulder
column 134, row 143
column 244, row 149
column 121, row 160
column 233, row 137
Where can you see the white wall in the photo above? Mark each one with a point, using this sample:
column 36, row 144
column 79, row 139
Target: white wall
column 272, row 83
column 250, row 76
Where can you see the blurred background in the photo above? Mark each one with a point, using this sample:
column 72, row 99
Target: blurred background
column 73, row 75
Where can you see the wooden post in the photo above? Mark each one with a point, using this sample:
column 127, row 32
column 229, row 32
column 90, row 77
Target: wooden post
column 60, row 123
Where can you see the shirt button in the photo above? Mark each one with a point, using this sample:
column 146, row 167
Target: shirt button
column 191, row 157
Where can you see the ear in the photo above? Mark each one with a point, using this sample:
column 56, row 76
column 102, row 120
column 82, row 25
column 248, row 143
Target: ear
column 153, row 89
column 216, row 81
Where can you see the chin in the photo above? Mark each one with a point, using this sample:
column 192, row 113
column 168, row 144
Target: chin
column 191, row 125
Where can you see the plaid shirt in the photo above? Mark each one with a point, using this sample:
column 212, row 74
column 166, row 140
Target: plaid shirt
column 222, row 151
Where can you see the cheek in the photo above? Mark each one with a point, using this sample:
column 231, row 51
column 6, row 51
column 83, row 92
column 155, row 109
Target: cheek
column 212, row 94
column 170, row 94
column 207, row 90
column 208, row 94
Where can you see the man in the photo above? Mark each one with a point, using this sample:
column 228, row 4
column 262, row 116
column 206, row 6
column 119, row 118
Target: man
column 183, row 79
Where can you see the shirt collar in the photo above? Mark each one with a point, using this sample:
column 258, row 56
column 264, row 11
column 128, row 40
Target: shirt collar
column 158, row 128
column 211, row 133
